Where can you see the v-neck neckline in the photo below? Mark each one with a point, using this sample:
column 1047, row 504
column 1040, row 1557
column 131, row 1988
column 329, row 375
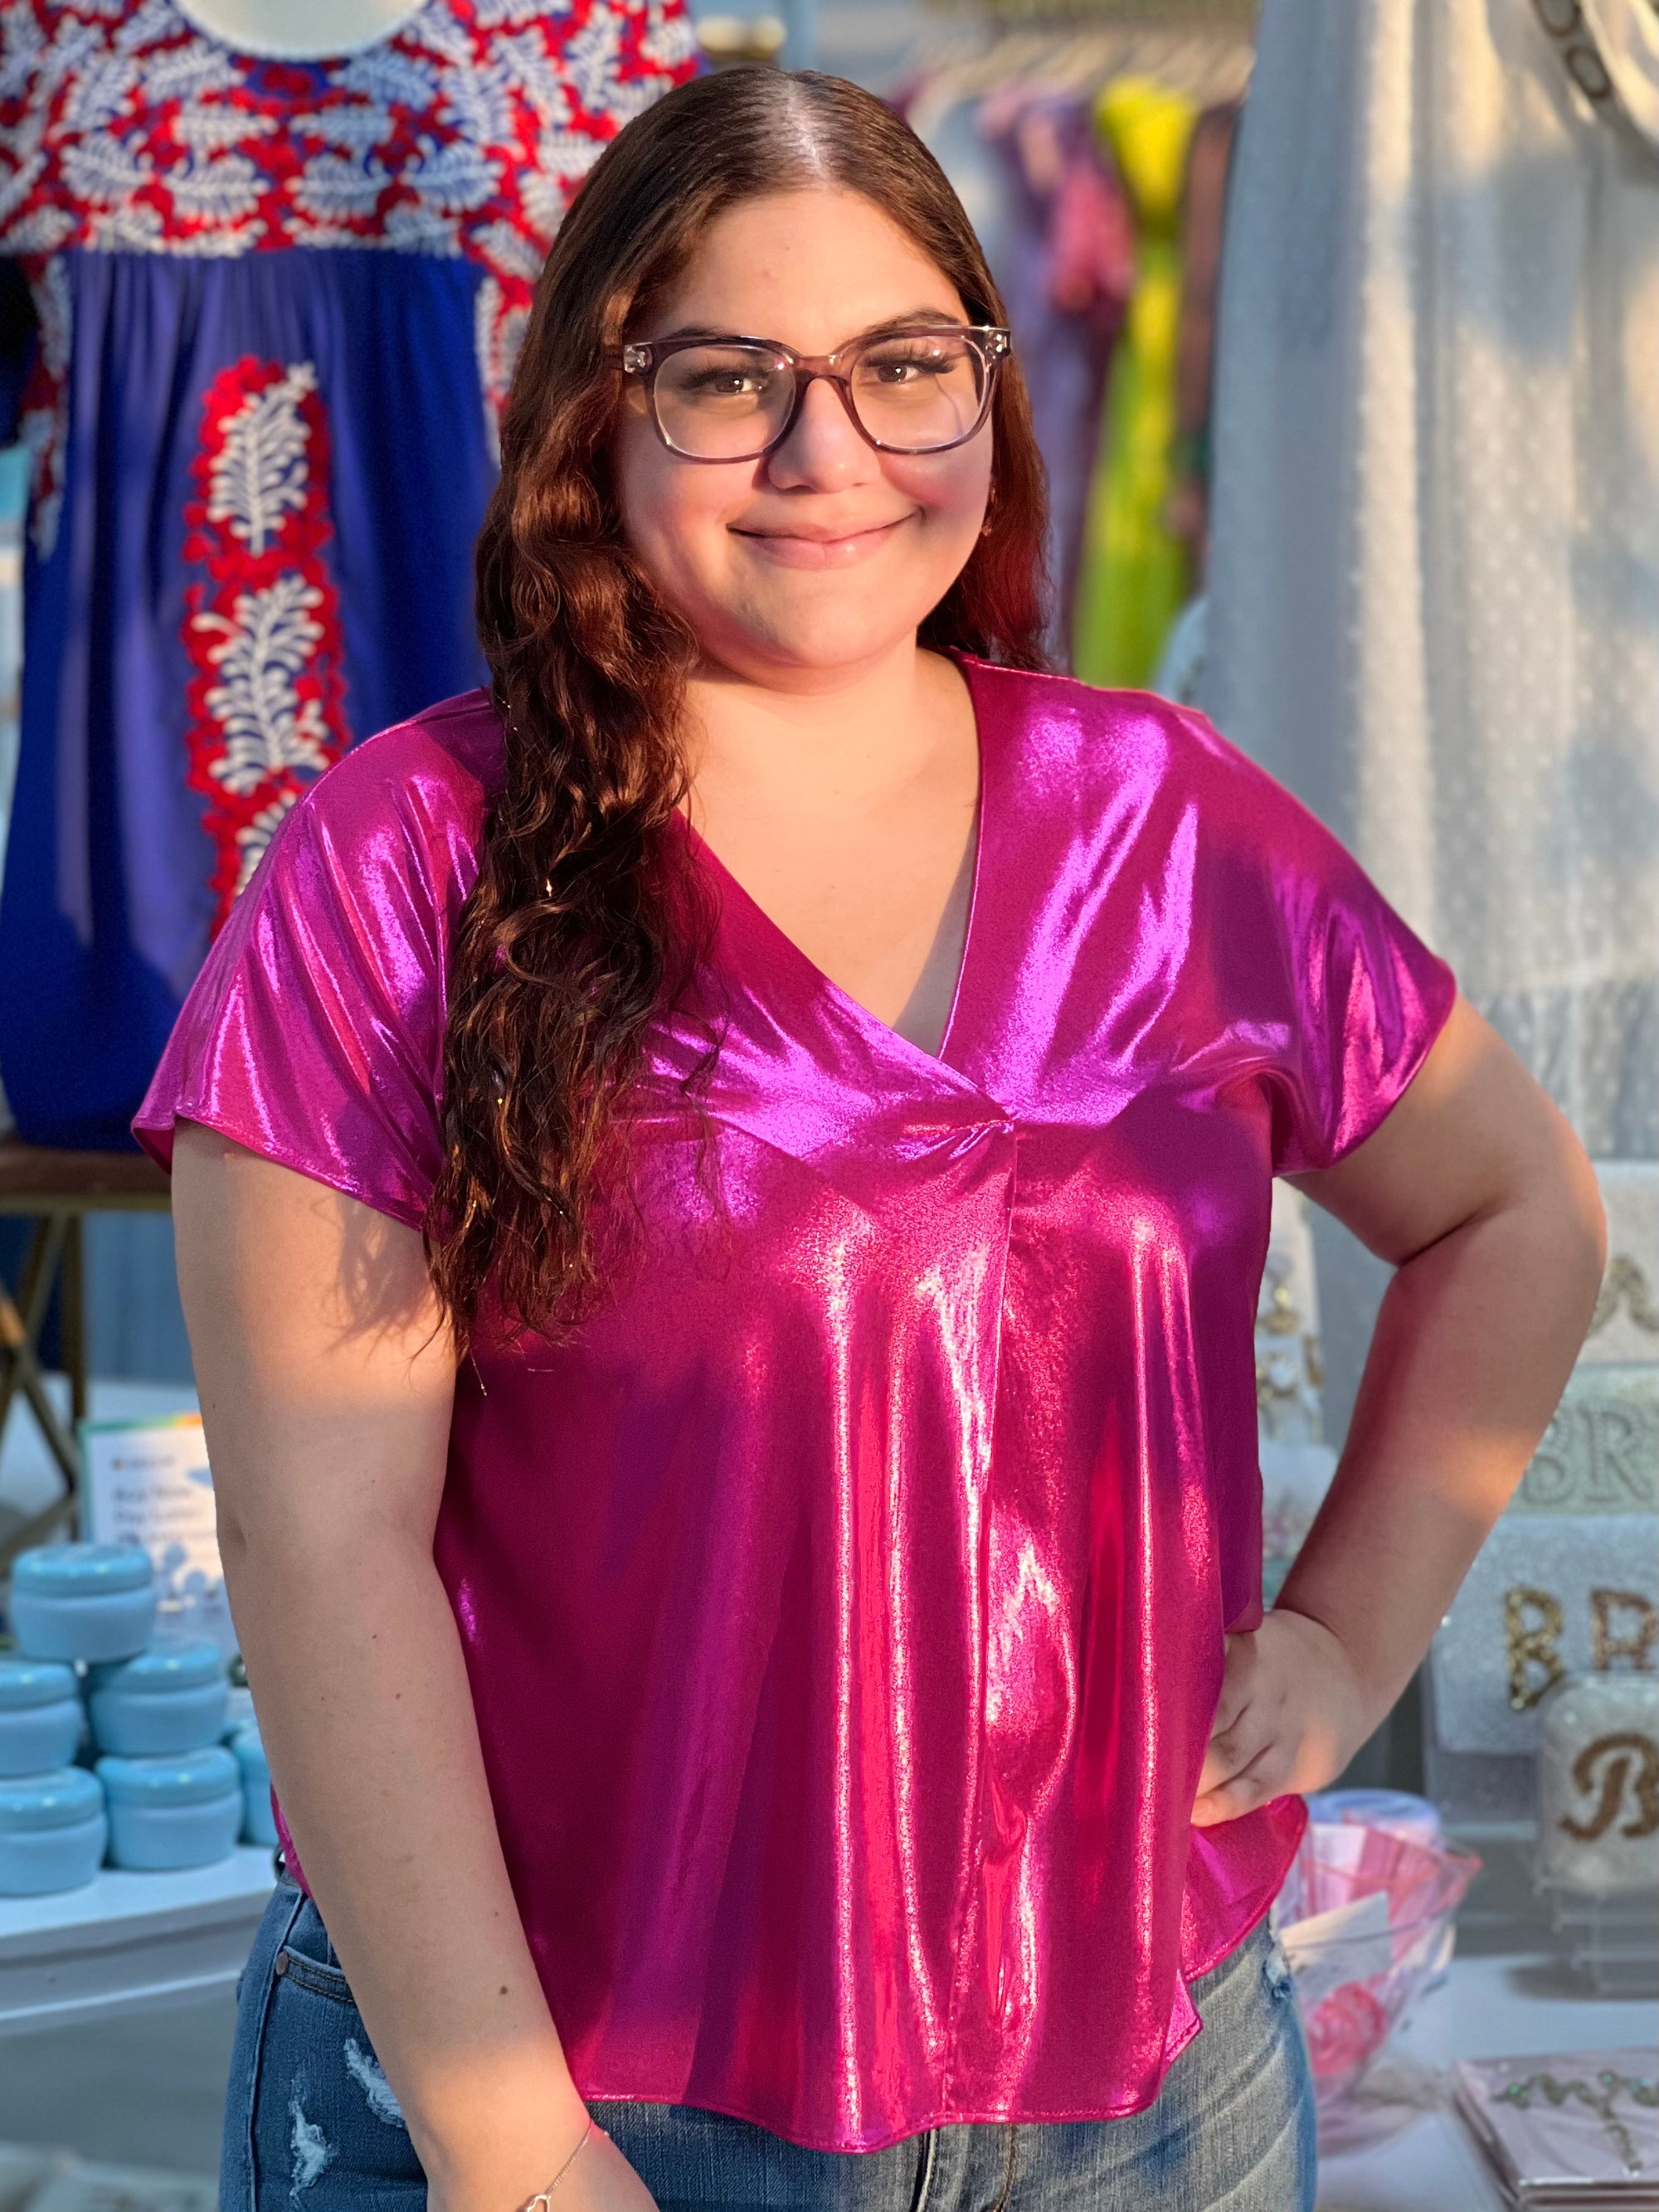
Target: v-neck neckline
column 822, row 985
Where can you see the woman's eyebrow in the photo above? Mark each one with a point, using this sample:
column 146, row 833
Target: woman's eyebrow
column 917, row 315
column 907, row 316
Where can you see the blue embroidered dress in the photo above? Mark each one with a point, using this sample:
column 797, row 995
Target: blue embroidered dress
column 256, row 318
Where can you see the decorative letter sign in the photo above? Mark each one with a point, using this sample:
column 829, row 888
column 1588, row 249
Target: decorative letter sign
column 1598, row 1784
column 1546, row 1598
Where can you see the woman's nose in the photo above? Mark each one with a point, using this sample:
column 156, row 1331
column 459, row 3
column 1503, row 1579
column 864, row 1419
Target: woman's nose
column 823, row 450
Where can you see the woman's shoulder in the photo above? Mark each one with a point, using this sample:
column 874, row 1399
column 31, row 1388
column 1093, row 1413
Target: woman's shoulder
column 375, row 861
column 314, row 1031
column 405, row 801
column 1098, row 743
column 432, row 777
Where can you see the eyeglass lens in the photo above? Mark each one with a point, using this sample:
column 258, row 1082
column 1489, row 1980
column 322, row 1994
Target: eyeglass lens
column 914, row 391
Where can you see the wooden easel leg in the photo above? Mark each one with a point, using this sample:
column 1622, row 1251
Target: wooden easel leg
column 72, row 1306
column 16, row 1336
column 20, row 1322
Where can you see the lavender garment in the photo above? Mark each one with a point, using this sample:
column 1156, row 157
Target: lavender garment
column 843, row 1604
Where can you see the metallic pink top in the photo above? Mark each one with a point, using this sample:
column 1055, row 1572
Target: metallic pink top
column 844, row 1602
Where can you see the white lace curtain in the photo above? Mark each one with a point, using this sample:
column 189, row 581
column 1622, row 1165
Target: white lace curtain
column 1435, row 572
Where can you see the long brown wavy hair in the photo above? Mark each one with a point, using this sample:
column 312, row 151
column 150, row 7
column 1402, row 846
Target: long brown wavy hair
column 583, row 926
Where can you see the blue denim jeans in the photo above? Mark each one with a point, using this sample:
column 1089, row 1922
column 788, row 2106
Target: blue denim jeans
column 312, row 2125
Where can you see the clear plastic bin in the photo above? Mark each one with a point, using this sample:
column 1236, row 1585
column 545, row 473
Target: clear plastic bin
column 1367, row 1920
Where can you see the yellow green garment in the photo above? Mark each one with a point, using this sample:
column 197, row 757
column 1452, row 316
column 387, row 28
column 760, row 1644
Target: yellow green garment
column 1133, row 580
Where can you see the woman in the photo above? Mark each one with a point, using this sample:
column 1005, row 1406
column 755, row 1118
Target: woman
column 720, row 1199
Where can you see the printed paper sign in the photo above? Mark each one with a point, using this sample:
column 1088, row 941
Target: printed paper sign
column 148, row 1483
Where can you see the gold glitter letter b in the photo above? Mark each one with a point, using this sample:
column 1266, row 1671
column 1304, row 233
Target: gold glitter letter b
column 1636, row 1644
column 1531, row 1643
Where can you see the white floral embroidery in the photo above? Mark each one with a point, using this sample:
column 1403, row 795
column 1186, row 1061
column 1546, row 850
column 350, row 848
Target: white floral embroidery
column 561, row 155
column 261, row 647
column 22, row 46
column 41, row 428
column 389, row 79
column 489, row 332
column 14, row 190
column 260, row 473
column 479, row 102
column 54, row 310
column 254, row 838
column 76, row 47
column 105, row 173
column 669, row 43
column 132, row 231
column 494, row 14
column 222, row 191
column 536, row 76
column 131, row 228
column 333, row 189
column 358, row 129
column 444, row 37
column 188, row 72
column 511, row 251
column 149, row 25
column 594, row 59
column 98, row 91
column 42, row 230
column 413, row 228
column 510, row 328
column 453, row 180
column 209, row 131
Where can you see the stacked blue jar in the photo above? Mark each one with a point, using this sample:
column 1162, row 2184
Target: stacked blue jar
column 167, row 1814
column 53, row 1830
column 166, row 1794
column 88, row 1601
column 170, row 1698
column 40, row 1716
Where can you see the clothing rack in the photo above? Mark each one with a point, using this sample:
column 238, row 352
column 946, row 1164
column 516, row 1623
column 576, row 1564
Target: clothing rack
column 1208, row 58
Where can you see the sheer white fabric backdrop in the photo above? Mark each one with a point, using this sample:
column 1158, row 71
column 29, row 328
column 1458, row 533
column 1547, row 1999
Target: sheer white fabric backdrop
column 1434, row 590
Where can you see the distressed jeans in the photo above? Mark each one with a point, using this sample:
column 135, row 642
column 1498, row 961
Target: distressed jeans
column 312, row 2124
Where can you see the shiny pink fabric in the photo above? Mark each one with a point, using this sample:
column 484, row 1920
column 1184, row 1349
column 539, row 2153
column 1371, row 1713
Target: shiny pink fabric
column 844, row 1602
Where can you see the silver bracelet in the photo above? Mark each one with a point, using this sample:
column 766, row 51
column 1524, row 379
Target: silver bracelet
column 539, row 2202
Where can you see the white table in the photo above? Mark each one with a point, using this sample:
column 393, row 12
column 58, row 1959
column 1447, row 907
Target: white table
column 129, row 1942
column 1488, row 2008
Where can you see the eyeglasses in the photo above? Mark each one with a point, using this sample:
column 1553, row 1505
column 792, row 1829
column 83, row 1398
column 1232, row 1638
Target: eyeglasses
column 920, row 389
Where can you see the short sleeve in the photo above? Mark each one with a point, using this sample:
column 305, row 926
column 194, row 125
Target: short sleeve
column 1342, row 996
column 314, row 1033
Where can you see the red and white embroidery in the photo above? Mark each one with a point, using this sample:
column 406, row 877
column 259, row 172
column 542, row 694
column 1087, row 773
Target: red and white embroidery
column 42, row 425
column 464, row 134
column 265, row 703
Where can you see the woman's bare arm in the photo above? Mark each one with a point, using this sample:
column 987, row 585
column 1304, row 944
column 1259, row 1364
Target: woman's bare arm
column 326, row 1382
column 1477, row 1190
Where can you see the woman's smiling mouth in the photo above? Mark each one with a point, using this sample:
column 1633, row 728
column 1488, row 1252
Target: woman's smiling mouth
column 803, row 546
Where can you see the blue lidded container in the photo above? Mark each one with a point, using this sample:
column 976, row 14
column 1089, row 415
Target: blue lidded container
column 40, row 1716
column 258, row 1822
column 185, row 1811
column 52, row 1830
column 172, row 1697
column 82, row 1600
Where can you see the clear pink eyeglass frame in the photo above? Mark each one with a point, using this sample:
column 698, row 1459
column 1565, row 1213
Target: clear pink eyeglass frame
column 992, row 343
